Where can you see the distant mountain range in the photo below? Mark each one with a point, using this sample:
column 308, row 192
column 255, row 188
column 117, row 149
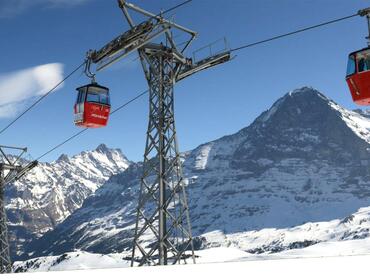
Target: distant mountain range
column 52, row 191
column 306, row 159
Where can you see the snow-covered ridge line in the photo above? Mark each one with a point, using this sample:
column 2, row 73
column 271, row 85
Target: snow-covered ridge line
column 357, row 120
column 50, row 192
column 354, row 120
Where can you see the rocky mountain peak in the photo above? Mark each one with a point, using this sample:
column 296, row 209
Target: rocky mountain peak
column 298, row 107
column 306, row 92
column 302, row 124
column 102, row 148
column 62, row 157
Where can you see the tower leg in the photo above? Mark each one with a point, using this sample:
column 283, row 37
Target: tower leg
column 163, row 231
column 5, row 263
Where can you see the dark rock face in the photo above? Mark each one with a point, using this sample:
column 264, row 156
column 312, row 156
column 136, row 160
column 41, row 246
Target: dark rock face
column 305, row 159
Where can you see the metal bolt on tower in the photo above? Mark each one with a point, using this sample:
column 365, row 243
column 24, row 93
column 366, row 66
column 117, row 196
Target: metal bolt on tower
column 163, row 231
column 10, row 170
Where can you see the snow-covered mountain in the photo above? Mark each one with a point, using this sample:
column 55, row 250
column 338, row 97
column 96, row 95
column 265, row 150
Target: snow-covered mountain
column 52, row 191
column 306, row 159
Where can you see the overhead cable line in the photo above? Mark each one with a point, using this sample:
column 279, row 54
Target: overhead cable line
column 82, row 131
column 130, row 101
column 232, row 50
column 41, row 98
column 69, row 75
column 175, row 7
column 118, row 108
column 293, row 33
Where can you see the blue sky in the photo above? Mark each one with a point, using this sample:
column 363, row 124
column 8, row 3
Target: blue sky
column 209, row 105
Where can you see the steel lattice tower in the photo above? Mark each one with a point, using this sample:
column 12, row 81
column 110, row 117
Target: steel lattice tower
column 162, row 230
column 162, row 208
column 5, row 263
column 10, row 170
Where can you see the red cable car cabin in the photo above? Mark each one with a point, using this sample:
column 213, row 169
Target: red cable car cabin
column 92, row 107
column 358, row 76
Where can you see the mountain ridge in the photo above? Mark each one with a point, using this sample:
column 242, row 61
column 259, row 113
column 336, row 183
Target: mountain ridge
column 50, row 192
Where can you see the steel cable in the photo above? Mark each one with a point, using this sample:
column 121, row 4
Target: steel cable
column 232, row 50
column 41, row 98
column 85, row 129
column 292, row 33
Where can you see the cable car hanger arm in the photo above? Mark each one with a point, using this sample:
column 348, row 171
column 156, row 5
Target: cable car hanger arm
column 363, row 13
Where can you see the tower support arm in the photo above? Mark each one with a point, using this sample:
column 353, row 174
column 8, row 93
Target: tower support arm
column 203, row 64
column 5, row 166
column 124, row 41
column 364, row 12
column 16, row 172
column 151, row 48
column 123, row 3
column 25, row 170
column 125, row 51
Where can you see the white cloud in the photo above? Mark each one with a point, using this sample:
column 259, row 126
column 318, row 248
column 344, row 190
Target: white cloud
column 11, row 8
column 17, row 88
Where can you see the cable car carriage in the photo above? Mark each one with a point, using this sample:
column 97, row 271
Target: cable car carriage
column 92, row 107
column 358, row 69
column 358, row 76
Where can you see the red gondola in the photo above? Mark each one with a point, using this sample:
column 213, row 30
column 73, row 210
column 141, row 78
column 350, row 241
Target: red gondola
column 358, row 69
column 358, row 76
column 92, row 107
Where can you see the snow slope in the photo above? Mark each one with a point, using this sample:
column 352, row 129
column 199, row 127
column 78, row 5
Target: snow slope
column 71, row 261
column 84, row 260
column 346, row 237
column 271, row 240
